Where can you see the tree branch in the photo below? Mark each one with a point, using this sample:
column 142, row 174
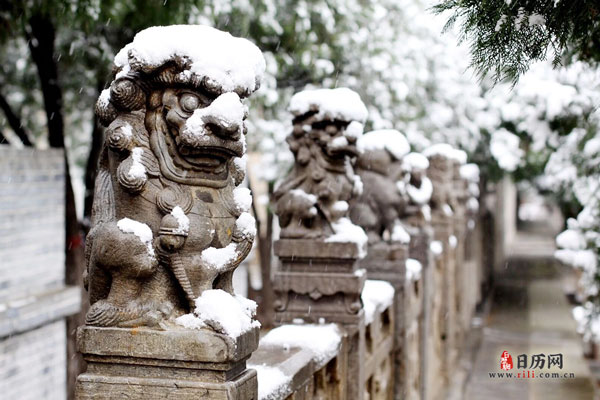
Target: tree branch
column 14, row 121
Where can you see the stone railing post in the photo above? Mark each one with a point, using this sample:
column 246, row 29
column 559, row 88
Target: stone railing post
column 170, row 223
column 394, row 188
column 472, row 237
column 319, row 279
column 443, row 308
column 463, row 288
column 417, row 220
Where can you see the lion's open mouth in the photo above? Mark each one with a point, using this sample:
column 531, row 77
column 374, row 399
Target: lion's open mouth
column 210, row 160
column 206, row 163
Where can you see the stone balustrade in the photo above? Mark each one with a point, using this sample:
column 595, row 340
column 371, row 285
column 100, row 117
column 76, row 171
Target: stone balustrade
column 374, row 288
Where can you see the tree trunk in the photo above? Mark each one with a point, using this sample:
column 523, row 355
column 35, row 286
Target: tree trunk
column 41, row 35
column 91, row 171
column 265, row 296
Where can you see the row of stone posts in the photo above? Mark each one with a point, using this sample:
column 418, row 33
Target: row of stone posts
column 373, row 295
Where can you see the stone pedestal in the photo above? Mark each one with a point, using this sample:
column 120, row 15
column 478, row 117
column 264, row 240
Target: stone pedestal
column 178, row 363
column 318, row 282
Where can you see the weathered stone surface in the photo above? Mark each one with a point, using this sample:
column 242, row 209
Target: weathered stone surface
column 318, row 279
column 311, row 378
column 441, row 336
column 166, row 189
column 379, row 208
column 179, row 344
column 91, row 386
column 170, row 222
column 323, row 285
column 315, row 195
column 380, row 356
column 144, row 362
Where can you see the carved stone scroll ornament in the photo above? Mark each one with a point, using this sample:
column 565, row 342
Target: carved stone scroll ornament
column 170, row 220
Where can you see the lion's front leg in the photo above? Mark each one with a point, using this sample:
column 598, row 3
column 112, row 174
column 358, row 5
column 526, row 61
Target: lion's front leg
column 219, row 264
column 121, row 260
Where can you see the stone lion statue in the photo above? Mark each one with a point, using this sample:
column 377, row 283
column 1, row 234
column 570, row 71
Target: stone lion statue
column 312, row 202
column 169, row 219
column 379, row 209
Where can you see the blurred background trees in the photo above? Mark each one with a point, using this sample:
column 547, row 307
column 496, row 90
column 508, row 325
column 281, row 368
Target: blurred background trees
column 557, row 131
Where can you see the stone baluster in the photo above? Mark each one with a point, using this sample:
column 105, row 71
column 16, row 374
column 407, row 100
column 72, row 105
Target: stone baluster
column 379, row 211
column 472, row 240
column 170, row 223
column 463, row 274
column 442, row 308
column 417, row 221
column 319, row 279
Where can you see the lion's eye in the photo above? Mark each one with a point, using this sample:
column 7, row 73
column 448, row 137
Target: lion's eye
column 189, row 102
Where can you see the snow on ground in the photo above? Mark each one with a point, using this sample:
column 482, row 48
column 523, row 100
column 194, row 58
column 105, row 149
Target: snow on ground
column 231, row 63
column 219, row 310
column 347, row 232
column 141, row 230
column 272, row 382
column 340, row 103
column 323, row 340
column 376, row 297
column 413, row 269
column 385, row 139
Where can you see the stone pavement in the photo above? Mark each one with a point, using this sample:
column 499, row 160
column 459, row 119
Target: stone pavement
column 529, row 315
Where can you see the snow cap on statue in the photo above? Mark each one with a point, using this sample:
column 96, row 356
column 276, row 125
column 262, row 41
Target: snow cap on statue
column 341, row 104
column 195, row 56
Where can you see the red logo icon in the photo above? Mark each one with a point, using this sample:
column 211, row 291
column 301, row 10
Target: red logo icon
column 506, row 361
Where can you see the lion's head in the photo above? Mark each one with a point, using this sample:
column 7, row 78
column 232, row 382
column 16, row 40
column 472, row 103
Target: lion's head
column 191, row 96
